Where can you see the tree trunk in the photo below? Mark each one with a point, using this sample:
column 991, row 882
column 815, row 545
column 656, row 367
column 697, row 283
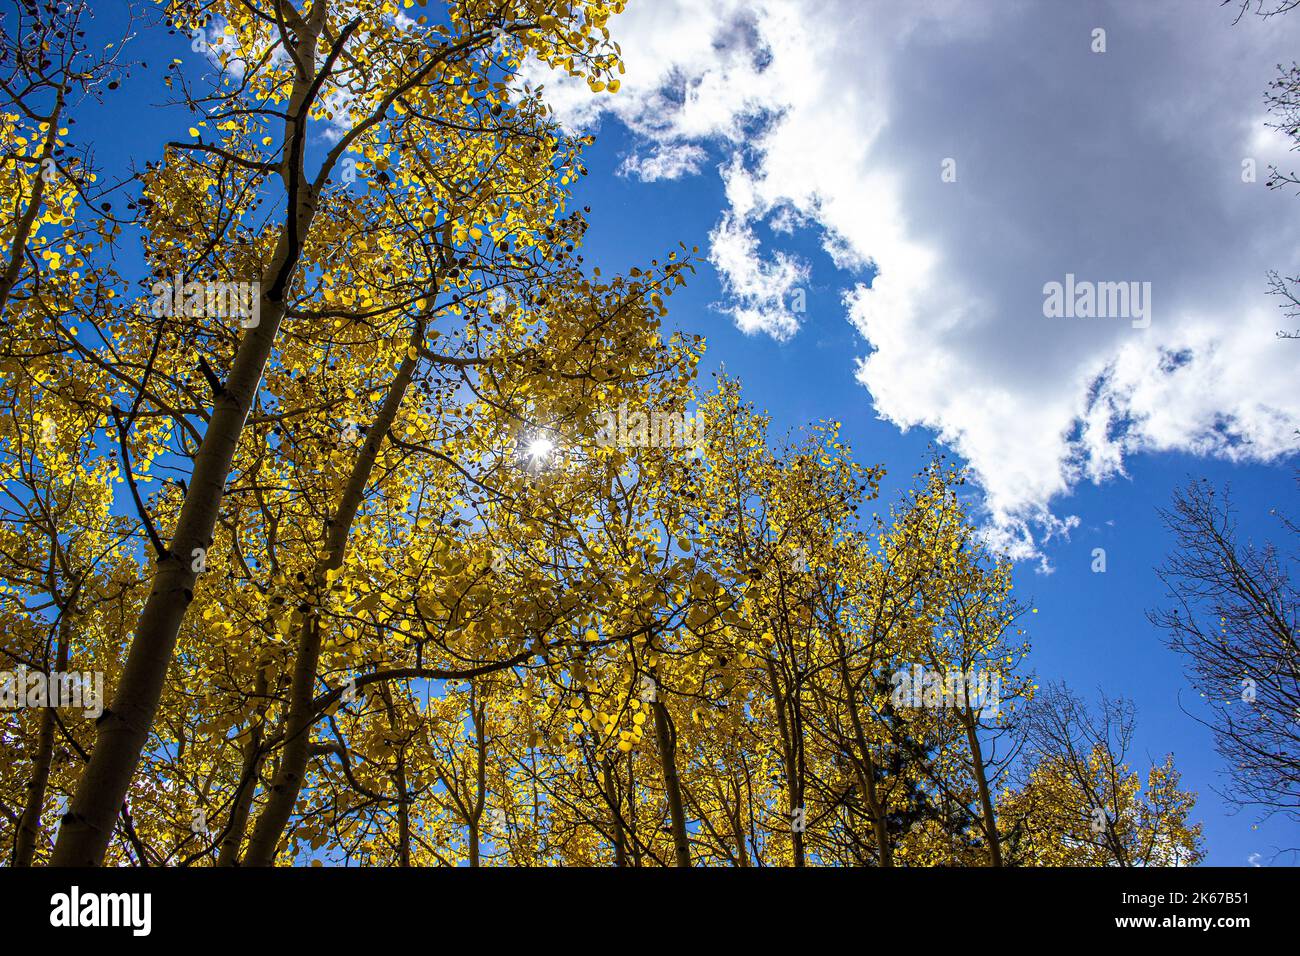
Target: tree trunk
column 285, row 786
column 866, row 768
column 243, row 805
column 791, row 777
column 616, row 817
column 252, row 765
column 667, row 739
column 29, row 824
column 738, row 827
column 981, row 779
column 479, row 711
column 403, row 814
column 399, row 782
column 123, row 729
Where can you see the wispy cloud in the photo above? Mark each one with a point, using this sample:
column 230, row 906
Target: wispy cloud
column 761, row 291
column 666, row 161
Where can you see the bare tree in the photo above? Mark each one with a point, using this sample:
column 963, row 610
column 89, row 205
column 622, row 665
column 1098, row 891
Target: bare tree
column 1286, row 288
column 1234, row 614
column 1261, row 8
column 1088, row 752
column 1283, row 101
column 1080, row 803
column 1283, row 98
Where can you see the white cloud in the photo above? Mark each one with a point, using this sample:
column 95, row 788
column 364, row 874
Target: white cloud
column 665, row 162
column 763, row 292
column 1124, row 166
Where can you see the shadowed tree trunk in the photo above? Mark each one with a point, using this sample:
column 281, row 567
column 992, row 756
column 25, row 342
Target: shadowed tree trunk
column 788, row 758
column 616, row 817
column 29, row 823
column 864, row 767
column 667, row 739
column 243, row 804
column 981, row 780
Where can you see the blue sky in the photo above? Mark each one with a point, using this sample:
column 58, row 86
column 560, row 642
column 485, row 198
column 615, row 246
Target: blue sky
column 800, row 146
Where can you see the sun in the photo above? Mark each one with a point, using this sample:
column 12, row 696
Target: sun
column 539, row 449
